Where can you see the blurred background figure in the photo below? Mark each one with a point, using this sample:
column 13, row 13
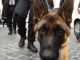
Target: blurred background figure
column 77, row 24
column 7, row 14
column 61, row 2
column 50, row 4
column 4, row 12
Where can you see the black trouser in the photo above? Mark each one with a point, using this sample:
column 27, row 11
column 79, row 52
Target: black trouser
column 10, row 11
column 21, row 22
column 14, row 23
column 31, row 34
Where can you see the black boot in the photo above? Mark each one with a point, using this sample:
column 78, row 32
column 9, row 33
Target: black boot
column 32, row 47
column 22, row 41
column 10, row 33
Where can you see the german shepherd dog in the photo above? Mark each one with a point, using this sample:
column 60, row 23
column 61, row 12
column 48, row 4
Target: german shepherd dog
column 53, row 29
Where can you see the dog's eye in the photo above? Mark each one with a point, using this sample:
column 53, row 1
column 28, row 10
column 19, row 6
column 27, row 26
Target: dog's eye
column 43, row 30
column 58, row 31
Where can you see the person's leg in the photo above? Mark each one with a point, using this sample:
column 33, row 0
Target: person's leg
column 20, row 16
column 10, row 17
column 14, row 25
column 22, row 32
column 4, row 22
column 4, row 14
column 9, row 21
column 31, row 34
column 13, row 20
column 21, row 24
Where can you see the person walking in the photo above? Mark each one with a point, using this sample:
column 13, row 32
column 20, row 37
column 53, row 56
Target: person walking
column 21, row 12
column 9, row 6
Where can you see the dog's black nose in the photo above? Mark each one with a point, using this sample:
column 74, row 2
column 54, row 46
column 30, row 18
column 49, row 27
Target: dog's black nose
column 47, row 55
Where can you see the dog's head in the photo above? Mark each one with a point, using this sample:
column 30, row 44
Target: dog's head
column 53, row 30
column 52, row 33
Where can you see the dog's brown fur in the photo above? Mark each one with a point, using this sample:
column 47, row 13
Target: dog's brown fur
column 66, row 10
column 61, row 18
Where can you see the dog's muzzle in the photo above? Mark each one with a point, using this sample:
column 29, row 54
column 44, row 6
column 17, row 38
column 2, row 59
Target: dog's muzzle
column 49, row 55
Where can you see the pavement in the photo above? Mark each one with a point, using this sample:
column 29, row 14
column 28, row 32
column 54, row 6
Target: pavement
column 9, row 49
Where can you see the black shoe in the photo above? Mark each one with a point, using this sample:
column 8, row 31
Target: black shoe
column 22, row 42
column 32, row 47
column 10, row 33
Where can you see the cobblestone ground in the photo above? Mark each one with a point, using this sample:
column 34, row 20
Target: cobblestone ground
column 74, row 51
column 9, row 49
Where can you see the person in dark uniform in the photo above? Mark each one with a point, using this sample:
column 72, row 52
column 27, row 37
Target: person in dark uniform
column 4, row 12
column 8, row 9
column 21, row 12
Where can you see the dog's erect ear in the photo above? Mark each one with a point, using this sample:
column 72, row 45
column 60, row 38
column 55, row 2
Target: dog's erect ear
column 65, row 11
column 39, row 9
